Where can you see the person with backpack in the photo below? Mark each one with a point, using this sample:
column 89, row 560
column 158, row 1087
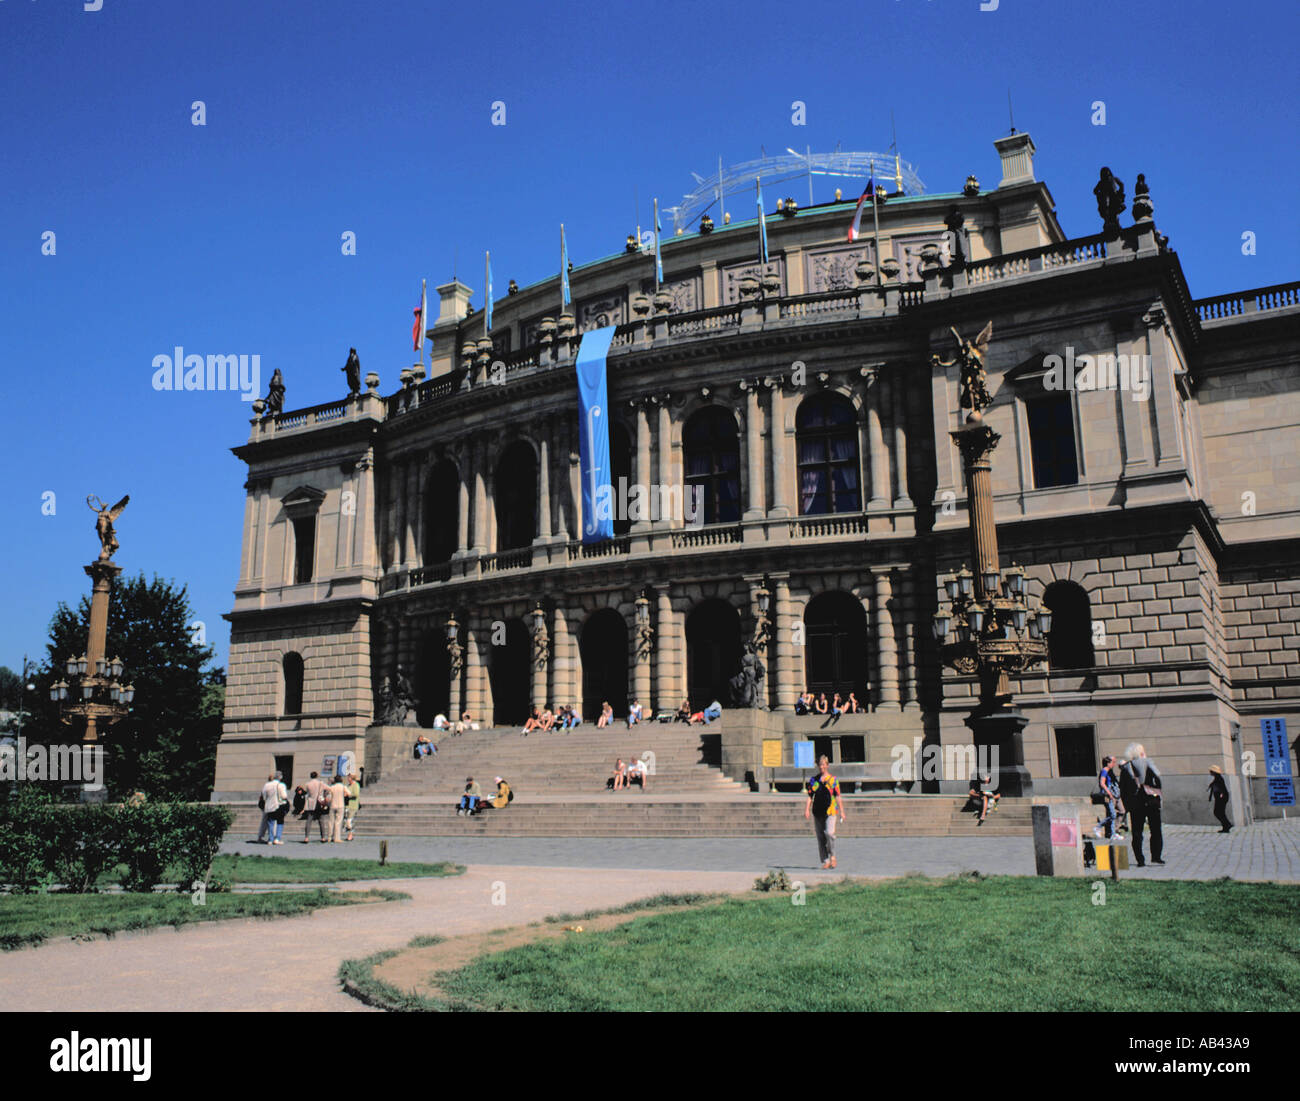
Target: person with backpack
column 1139, row 787
column 268, row 803
column 316, row 807
column 1218, row 790
column 824, row 803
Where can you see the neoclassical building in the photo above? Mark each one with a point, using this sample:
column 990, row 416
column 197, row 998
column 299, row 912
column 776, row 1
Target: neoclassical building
column 1155, row 510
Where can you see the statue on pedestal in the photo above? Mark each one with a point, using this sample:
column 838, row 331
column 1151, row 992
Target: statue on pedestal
column 353, row 371
column 395, row 706
column 275, row 394
column 745, row 684
column 1110, row 200
column 104, row 524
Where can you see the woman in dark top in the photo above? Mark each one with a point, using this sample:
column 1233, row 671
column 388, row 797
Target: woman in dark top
column 822, row 706
column 1219, row 794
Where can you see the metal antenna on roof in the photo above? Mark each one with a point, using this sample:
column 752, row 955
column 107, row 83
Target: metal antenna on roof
column 1009, row 114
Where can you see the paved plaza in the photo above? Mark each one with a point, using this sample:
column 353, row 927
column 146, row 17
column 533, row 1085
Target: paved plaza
column 1267, row 850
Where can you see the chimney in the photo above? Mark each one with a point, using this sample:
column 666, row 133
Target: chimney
column 454, row 298
column 1017, row 153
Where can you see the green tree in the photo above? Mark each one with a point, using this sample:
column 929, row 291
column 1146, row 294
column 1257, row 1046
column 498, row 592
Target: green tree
column 11, row 689
column 167, row 745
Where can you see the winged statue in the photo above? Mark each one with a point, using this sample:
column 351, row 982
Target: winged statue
column 970, row 358
column 104, row 524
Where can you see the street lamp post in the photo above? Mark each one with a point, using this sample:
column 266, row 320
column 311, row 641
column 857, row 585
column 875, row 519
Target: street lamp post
column 997, row 632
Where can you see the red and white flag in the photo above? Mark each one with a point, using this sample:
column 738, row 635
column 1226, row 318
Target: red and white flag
column 421, row 312
column 868, row 193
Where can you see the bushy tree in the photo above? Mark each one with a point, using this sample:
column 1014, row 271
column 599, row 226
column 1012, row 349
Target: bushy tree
column 166, row 747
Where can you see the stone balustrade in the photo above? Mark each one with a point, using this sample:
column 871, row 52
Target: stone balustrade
column 1247, row 302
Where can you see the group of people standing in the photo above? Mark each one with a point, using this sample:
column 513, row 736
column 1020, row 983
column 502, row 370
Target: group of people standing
column 332, row 805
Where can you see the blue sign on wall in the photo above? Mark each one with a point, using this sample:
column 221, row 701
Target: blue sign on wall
column 1277, row 763
column 803, row 755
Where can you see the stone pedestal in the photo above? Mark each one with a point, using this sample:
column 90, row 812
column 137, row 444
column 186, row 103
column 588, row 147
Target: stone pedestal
column 1001, row 732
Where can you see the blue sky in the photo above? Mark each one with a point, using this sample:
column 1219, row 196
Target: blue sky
column 332, row 115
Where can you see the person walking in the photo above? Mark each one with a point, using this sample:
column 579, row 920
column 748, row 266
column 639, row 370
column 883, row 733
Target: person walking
column 1139, row 786
column 338, row 804
column 824, row 803
column 269, row 803
column 353, row 802
column 313, row 810
column 1218, row 790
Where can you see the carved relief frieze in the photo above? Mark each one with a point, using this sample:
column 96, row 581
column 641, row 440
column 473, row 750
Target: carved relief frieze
column 833, row 269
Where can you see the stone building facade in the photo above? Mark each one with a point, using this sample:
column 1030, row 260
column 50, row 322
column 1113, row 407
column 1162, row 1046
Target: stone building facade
column 1155, row 506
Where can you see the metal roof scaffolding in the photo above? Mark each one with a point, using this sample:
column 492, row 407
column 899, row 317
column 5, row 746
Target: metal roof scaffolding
column 739, row 179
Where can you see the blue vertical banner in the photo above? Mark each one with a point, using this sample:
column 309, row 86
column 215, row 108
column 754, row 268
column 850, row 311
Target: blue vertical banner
column 1277, row 763
column 593, row 436
column 487, row 298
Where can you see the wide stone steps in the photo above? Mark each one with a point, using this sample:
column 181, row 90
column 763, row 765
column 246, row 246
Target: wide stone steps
column 634, row 815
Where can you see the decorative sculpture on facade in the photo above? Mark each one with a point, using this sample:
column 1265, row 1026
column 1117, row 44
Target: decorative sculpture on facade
column 275, row 394
column 1110, row 200
column 395, row 706
column 104, row 524
column 970, row 358
column 745, row 684
column 352, row 369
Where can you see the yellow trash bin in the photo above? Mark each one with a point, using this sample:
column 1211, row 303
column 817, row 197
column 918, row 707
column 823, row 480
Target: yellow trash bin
column 1103, row 856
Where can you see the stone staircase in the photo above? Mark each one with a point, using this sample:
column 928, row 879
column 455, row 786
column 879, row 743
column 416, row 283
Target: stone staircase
column 559, row 783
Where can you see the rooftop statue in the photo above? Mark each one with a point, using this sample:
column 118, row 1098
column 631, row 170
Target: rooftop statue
column 275, row 394
column 104, row 524
column 1110, row 200
column 353, row 371
column 970, row 358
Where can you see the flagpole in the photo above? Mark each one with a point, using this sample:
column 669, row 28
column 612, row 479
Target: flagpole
column 875, row 218
column 424, row 321
column 658, row 261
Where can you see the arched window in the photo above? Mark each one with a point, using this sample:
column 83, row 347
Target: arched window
column 293, row 670
column 620, row 461
column 1069, row 644
column 441, row 513
column 827, row 431
column 713, row 463
column 516, row 497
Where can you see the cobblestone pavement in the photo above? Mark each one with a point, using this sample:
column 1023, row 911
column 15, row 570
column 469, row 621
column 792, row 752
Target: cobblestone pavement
column 1266, row 850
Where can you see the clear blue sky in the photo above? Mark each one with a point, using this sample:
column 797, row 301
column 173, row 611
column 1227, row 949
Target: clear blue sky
column 336, row 115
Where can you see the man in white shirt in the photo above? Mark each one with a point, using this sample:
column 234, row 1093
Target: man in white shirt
column 270, row 803
column 638, row 768
column 312, row 811
column 337, row 799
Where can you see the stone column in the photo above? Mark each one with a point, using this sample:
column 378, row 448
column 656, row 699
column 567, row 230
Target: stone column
column 907, row 662
column 418, row 517
column 399, row 528
column 540, row 669
column 782, row 680
column 362, row 550
column 562, row 690
column 665, row 445
column 543, row 487
column 480, row 544
column 783, row 459
column 455, row 704
column 394, row 539
column 754, row 478
column 478, row 638
column 666, row 686
column 644, row 475
column 575, row 482
column 886, row 646
column 465, row 537
column 879, row 457
column 901, row 496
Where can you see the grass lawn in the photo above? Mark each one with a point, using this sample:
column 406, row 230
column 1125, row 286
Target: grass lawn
column 1000, row 943
column 30, row 919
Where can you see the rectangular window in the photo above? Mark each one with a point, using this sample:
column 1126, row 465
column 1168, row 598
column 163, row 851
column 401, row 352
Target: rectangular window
column 1076, row 750
column 304, row 548
column 1051, row 441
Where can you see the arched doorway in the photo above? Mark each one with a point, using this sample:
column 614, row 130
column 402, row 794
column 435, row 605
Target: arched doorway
column 835, row 646
column 1069, row 643
column 510, row 672
column 441, row 513
column 604, row 664
column 712, row 652
column 516, row 496
column 432, row 681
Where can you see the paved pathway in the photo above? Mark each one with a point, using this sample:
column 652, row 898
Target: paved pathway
column 290, row 963
column 1267, row 850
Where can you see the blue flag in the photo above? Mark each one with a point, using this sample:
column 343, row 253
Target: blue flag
column 593, row 436
column 487, row 260
column 564, row 269
column 659, row 260
column 762, row 227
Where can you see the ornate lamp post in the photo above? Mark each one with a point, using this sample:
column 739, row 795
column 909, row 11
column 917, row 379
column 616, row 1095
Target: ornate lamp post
column 762, row 622
column 997, row 632
column 644, row 632
column 455, row 661
column 99, row 699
